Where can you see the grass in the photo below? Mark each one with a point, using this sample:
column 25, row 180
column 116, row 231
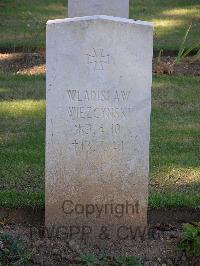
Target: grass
column 23, row 22
column 13, row 199
column 22, row 126
column 171, row 20
column 175, row 146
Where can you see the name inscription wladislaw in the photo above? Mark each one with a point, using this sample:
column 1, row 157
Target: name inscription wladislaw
column 99, row 95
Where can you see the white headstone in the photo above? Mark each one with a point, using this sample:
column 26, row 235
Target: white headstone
column 116, row 8
column 99, row 73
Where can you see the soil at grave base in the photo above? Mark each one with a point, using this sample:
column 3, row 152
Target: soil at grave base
column 158, row 249
column 34, row 63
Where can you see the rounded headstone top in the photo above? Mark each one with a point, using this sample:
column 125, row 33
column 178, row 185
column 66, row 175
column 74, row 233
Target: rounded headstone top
column 100, row 18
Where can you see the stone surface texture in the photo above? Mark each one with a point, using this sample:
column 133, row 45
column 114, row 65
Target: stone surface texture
column 116, row 8
column 99, row 74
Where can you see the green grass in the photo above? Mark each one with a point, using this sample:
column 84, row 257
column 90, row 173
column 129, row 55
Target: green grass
column 175, row 145
column 171, row 19
column 13, row 199
column 164, row 200
column 22, row 126
column 23, row 22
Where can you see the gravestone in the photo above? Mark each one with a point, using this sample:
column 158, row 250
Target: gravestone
column 99, row 73
column 80, row 8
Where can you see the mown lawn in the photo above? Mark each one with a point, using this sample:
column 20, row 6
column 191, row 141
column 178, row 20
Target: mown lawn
column 175, row 141
column 171, row 19
column 22, row 22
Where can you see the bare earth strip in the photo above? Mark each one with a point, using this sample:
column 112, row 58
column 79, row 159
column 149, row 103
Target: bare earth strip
column 34, row 64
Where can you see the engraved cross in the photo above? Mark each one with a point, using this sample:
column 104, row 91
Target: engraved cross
column 98, row 59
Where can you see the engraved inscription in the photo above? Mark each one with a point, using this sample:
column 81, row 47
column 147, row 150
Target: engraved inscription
column 90, row 138
column 89, row 146
column 98, row 113
column 98, row 95
column 98, row 59
column 97, row 130
column 103, row 106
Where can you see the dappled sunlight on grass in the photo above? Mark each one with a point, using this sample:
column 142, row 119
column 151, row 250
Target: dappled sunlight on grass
column 171, row 20
column 10, row 56
column 35, row 70
column 192, row 12
column 18, row 108
column 177, row 20
column 167, row 23
column 175, row 178
column 23, row 63
column 23, row 22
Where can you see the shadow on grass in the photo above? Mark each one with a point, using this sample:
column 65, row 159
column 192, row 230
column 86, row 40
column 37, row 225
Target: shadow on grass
column 23, row 63
column 21, row 87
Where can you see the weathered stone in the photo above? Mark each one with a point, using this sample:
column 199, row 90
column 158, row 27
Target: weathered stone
column 99, row 72
column 116, row 8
